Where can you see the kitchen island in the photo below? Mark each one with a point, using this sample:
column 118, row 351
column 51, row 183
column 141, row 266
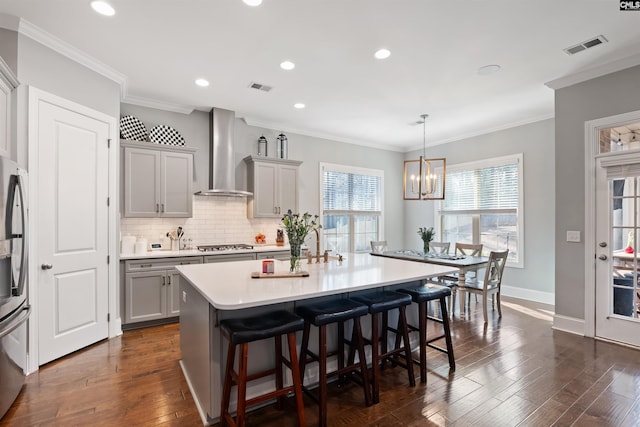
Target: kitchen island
column 213, row 292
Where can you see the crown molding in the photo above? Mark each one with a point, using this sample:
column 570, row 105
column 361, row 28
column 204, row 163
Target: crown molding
column 54, row 43
column 594, row 72
column 158, row 105
column 8, row 75
column 284, row 128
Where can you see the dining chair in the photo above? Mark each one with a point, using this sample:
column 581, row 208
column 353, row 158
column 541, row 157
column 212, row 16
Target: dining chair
column 378, row 246
column 491, row 283
column 439, row 248
column 451, row 280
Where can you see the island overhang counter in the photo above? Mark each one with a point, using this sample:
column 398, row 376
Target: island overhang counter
column 213, row 292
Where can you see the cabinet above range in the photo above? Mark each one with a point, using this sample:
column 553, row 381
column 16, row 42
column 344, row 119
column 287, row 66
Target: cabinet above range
column 157, row 180
column 274, row 184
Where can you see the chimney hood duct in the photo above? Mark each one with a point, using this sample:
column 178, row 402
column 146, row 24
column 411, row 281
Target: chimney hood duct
column 222, row 169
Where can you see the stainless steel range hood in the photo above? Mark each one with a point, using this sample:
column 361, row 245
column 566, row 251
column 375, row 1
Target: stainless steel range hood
column 222, row 169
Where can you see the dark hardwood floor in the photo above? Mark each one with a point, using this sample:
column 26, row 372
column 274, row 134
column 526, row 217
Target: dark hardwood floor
column 516, row 371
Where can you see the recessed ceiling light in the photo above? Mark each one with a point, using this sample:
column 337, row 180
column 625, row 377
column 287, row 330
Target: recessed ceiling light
column 299, row 105
column 103, row 8
column 287, row 65
column 382, row 54
column 252, row 2
column 202, row 82
column 488, row 69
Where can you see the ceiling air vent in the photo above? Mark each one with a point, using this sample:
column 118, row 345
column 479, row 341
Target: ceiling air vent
column 261, row 87
column 585, row 45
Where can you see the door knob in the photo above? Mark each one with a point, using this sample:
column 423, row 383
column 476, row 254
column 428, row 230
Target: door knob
column 603, row 257
column 602, row 244
column 46, row 266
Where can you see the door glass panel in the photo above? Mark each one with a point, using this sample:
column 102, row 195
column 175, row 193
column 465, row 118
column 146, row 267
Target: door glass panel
column 625, row 231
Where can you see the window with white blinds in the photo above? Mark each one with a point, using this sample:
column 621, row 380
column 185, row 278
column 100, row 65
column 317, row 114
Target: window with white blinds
column 483, row 205
column 351, row 207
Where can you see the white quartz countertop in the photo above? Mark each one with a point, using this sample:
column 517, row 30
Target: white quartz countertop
column 229, row 286
column 195, row 252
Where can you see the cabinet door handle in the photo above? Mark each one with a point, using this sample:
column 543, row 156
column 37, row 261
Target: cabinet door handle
column 163, row 281
column 157, row 208
column 146, row 265
column 169, row 280
column 162, row 208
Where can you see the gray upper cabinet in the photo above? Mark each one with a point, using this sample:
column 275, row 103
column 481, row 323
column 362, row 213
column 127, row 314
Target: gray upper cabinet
column 274, row 184
column 158, row 181
column 8, row 83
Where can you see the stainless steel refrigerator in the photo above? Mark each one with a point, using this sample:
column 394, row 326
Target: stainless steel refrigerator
column 14, row 304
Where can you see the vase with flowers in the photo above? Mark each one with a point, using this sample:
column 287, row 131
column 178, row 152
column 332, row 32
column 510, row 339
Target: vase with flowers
column 426, row 234
column 297, row 228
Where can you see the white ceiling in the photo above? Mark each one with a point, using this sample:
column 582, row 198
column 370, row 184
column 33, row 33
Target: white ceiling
column 162, row 46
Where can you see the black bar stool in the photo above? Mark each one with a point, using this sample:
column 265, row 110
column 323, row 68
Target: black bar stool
column 320, row 315
column 421, row 295
column 245, row 330
column 383, row 302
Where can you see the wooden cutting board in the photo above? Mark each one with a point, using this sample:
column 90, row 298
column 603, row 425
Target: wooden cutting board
column 259, row 275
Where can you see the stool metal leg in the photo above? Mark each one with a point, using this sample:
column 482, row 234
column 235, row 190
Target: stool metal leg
column 375, row 343
column 228, row 382
column 242, row 385
column 402, row 327
column 422, row 330
column 447, row 334
column 297, row 378
column 279, row 378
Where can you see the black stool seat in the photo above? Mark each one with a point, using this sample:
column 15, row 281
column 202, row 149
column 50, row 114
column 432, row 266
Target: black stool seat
column 383, row 301
column 326, row 312
column 427, row 292
column 421, row 295
column 256, row 328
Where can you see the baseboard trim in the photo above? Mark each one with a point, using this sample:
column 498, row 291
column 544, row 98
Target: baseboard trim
column 571, row 325
column 529, row 294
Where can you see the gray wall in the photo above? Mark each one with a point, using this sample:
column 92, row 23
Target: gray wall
column 536, row 141
column 311, row 151
column 604, row 96
column 47, row 70
column 9, row 48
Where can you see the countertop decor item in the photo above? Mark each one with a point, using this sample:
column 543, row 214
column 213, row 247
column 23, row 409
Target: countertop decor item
column 163, row 134
column 283, row 149
column 424, row 179
column 133, row 129
column 426, row 234
column 297, row 228
column 279, row 237
column 262, row 146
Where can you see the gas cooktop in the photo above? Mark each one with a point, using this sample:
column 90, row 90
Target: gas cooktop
column 224, row 247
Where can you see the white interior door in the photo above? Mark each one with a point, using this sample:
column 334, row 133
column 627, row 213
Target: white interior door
column 72, row 241
column 617, row 259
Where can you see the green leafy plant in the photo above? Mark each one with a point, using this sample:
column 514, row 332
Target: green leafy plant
column 297, row 227
column 427, row 235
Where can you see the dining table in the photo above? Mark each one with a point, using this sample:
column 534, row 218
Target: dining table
column 464, row 264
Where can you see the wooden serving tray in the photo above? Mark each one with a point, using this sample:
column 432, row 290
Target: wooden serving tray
column 259, row 275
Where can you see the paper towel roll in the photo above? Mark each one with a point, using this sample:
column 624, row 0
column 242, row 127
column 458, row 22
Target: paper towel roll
column 141, row 246
column 127, row 244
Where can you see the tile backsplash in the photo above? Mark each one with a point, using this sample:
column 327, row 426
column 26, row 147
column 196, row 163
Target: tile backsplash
column 216, row 220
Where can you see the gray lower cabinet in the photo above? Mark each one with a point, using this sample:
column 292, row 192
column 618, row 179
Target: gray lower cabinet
column 152, row 288
column 229, row 257
column 280, row 255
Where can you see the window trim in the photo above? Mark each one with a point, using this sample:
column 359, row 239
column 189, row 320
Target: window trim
column 487, row 163
column 354, row 170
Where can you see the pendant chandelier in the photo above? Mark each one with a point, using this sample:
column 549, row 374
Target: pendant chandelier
column 424, row 179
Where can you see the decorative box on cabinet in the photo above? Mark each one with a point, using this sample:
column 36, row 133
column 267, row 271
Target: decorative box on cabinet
column 152, row 288
column 274, row 184
column 8, row 82
column 158, row 180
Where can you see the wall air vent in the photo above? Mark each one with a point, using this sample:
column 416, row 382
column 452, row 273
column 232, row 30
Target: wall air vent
column 585, row 45
column 259, row 86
